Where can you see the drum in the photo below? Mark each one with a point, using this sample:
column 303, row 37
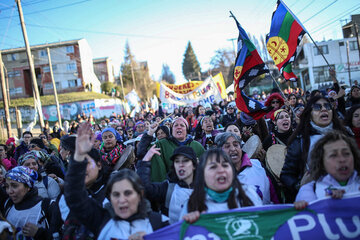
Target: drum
column 275, row 158
column 127, row 158
column 252, row 146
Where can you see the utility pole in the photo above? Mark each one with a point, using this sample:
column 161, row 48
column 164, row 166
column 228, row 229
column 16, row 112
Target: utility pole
column 232, row 41
column 5, row 98
column 357, row 36
column 31, row 65
column 7, row 85
column 54, row 87
column 122, row 85
column 348, row 61
column 132, row 74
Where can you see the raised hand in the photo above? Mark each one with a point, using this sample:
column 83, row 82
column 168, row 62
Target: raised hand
column 84, row 141
column 152, row 151
column 153, row 128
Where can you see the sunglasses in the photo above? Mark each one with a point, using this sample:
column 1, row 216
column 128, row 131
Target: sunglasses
column 275, row 102
column 318, row 106
column 33, row 146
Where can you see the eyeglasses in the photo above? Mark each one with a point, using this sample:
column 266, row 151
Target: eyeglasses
column 275, row 102
column 318, row 106
column 33, row 146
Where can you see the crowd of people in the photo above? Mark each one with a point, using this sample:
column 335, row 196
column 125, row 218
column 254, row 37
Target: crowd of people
column 124, row 177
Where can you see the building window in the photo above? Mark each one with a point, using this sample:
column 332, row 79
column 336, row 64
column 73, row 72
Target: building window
column 47, row 68
column 70, row 49
column 71, row 66
column 14, row 74
column 341, row 44
column 353, row 45
column 13, row 57
column 324, row 49
column 72, row 83
column 43, row 53
column 321, row 74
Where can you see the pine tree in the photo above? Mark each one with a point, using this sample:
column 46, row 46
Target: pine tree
column 167, row 75
column 191, row 66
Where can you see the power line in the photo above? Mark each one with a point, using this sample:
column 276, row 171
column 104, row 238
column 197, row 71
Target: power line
column 25, row 4
column 330, row 23
column 311, row 2
column 320, row 11
column 53, row 8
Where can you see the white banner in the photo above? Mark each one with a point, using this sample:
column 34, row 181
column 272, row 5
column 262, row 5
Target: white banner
column 207, row 92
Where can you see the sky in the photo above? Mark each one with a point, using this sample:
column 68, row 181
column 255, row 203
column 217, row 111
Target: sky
column 158, row 30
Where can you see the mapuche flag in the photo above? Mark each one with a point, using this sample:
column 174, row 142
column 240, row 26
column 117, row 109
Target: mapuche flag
column 285, row 35
column 248, row 65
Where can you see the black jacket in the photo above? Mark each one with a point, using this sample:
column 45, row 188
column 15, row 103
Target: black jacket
column 84, row 208
column 143, row 145
column 20, row 150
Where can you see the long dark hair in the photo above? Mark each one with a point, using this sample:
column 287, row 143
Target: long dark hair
column 134, row 179
column 317, row 168
column 304, row 128
column 350, row 114
column 198, row 196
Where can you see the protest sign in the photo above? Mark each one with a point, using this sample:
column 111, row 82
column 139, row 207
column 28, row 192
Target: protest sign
column 323, row 219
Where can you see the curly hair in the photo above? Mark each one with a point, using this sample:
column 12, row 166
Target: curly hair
column 317, row 168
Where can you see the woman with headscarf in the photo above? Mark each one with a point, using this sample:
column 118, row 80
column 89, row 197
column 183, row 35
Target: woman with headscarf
column 32, row 216
column 46, row 186
column 275, row 101
column 112, row 147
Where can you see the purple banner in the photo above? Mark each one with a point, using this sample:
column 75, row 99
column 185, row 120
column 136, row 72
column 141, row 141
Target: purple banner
column 323, row 219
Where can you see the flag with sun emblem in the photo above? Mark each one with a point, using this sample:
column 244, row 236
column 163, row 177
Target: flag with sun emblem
column 248, row 65
column 285, row 35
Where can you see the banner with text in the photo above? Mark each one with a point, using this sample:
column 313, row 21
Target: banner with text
column 323, row 219
column 207, row 92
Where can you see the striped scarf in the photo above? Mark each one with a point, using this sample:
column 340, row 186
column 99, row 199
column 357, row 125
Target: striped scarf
column 113, row 156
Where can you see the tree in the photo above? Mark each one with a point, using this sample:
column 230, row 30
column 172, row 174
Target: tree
column 167, row 75
column 223, row 61
column 190, row 66
column 106, row 87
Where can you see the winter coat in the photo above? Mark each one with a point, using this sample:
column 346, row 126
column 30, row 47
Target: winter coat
column 322, row 188
column 34, row 209
column 102, row 222
column 47, row 187
column 143, row 145
column 160, row 165
column 228, row 119
column 171, row 194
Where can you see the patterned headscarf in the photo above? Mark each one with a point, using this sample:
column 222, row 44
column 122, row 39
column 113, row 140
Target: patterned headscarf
column 28, row 155
column 23, row 175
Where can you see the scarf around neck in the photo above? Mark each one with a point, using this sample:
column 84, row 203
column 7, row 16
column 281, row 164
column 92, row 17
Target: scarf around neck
column 218, row 197
column 322, row 130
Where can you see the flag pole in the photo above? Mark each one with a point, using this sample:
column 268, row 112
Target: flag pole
column 319, row 49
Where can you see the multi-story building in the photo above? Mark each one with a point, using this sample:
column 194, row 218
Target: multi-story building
column 104, row 69
column 342, row 55
column 71, row 62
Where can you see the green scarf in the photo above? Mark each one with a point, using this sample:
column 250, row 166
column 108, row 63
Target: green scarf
column 218, row 197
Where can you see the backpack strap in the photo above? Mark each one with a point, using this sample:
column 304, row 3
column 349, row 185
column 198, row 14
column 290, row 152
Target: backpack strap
column 169, row 192
column 7, row 206
column 45, row 204
column 46, row 181
column 155, row 220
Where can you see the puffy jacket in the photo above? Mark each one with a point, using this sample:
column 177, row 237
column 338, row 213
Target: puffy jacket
column 102, row 222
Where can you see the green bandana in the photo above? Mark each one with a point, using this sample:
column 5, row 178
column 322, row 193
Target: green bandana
column 218, row 197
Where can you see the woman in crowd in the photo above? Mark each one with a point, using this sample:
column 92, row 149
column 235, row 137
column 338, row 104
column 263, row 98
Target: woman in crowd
column 353, row 122
column 173, row 192
column 199, row 112
column 233, row 128
column 46, row 186
column 95, row 180
column 31, row 215
column 292, row 100
column 6, row 161
column 282, row 130
column 334, row 169
column 111, row 148
column 316, row 120
column 207, row 138
column 249, row 127
column 126, row 217
column 160, row 165
column 249, row 171
column 275, row 101
column 217, row 188
column 354, row 97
